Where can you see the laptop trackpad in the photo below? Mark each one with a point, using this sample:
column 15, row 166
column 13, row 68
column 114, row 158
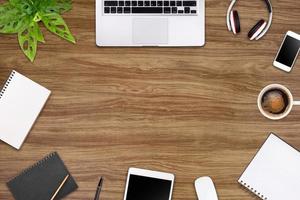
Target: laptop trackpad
column 150, row 31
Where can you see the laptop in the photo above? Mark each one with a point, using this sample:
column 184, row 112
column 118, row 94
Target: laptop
column 150, row 23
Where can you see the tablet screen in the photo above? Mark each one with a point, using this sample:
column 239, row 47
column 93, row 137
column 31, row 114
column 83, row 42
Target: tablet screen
column 146, row 188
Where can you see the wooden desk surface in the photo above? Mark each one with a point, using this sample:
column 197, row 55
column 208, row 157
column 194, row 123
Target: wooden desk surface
column 189, row 111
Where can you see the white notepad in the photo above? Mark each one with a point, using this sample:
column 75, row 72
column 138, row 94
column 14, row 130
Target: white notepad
column 274, row 173
column 21, row 101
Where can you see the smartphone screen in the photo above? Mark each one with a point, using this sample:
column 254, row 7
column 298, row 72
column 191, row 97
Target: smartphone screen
column 289, row 51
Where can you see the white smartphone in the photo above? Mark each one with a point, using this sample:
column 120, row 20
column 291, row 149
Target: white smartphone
column 146, row 184
column 288, row 52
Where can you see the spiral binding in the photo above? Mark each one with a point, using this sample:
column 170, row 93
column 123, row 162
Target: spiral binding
column 7, row 83
column 26, row 171
column 254, row 191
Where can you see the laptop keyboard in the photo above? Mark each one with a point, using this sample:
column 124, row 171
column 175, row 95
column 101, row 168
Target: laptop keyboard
column 185, row 7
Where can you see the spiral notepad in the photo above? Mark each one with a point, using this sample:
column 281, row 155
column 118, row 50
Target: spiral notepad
column 274, row 173
column 21, row 101
column 41, row 180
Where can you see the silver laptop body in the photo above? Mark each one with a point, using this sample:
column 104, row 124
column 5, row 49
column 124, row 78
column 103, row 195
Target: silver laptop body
column 150, row 23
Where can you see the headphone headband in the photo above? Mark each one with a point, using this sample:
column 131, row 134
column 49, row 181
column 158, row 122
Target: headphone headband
column 270, row 10
column 269, row 6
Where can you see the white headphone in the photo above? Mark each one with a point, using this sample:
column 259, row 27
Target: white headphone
column 257, row 31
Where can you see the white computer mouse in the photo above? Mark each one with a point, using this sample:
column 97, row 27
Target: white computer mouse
column 205, row 189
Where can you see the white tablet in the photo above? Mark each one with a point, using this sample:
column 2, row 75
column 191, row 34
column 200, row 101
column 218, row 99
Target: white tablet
column 148, row 185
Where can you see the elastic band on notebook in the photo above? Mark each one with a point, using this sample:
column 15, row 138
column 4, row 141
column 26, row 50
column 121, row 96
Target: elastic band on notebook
column 7, row 84
column 254, row 191
column 34, row 165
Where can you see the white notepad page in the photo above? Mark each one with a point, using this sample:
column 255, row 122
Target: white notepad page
column 21, row 101
column 274, row 173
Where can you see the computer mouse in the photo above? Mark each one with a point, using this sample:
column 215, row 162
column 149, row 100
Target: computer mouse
column 205, row 189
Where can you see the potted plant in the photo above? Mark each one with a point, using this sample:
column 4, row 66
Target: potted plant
column 23, row 17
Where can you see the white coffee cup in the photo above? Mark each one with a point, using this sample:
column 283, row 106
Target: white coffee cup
column 289, row 107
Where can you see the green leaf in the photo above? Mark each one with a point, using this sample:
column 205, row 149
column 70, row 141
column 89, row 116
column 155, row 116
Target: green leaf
column 37, row 17
column 28, row 39
column 4, row 7
column 12, row 20
column 43, row 4
column 54, row 6
column 64, row 5
column 60, row 6
column 25, row 6
column 13, row 23
column 55, row 23
column 39, row 35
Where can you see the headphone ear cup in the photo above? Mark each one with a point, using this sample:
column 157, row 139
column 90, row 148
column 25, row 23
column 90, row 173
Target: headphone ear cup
column 257, row 29
column 235, row 22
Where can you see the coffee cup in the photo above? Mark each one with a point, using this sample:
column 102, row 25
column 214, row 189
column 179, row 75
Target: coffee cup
column 275, row 101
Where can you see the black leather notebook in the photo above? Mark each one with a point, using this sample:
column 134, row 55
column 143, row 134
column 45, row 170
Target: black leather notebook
column 40, row 181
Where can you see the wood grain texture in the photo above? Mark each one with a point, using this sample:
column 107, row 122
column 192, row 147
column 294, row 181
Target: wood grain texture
column 189, row 111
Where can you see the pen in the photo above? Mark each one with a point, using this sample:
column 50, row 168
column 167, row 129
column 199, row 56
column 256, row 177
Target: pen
column 97, row 196
column 60, row 186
